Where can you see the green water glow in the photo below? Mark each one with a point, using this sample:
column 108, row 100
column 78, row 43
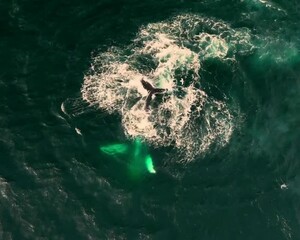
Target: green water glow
column 114, row 149
column 138, row 157
column 149, row 164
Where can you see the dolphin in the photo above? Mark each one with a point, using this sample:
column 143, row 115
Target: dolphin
column 151, row 90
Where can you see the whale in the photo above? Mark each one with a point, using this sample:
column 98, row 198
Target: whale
column 136, row 153
column 151, row 91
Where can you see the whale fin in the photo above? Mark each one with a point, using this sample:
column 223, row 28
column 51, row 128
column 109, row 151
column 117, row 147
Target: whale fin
column 159, row 90
column 147, row 85
column 151, row 90
column 148, row 100
column 115, row 149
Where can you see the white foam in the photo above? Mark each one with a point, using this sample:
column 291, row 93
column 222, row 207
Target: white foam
column 187, row 118
column 283, row 186
column 265, row 4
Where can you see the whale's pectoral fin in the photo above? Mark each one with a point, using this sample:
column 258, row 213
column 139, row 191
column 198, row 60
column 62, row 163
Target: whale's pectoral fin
column 148, row 100
column 147, row 85
column 114, row 149
column 149, row 164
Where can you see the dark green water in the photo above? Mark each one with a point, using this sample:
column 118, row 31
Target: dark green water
column 56, row 184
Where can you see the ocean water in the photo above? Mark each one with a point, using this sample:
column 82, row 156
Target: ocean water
column 217, row 155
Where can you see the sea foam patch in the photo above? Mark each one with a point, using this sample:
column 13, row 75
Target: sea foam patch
column 168, row 55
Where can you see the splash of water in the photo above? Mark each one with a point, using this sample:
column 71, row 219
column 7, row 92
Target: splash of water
column 168, row 54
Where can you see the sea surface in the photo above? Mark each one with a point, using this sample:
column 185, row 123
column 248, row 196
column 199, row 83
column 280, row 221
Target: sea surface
column 216, row 157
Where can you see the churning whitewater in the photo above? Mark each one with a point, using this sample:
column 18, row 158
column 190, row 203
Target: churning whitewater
column 169, row 55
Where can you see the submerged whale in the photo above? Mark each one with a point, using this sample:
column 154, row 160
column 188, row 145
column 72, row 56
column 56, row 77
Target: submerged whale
column 136, row 153
column 151, row 90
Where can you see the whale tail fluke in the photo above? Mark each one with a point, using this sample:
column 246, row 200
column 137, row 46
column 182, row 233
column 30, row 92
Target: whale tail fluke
column 151, row 90
column 159, row 90
column 148, row 100
column 147, row 85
